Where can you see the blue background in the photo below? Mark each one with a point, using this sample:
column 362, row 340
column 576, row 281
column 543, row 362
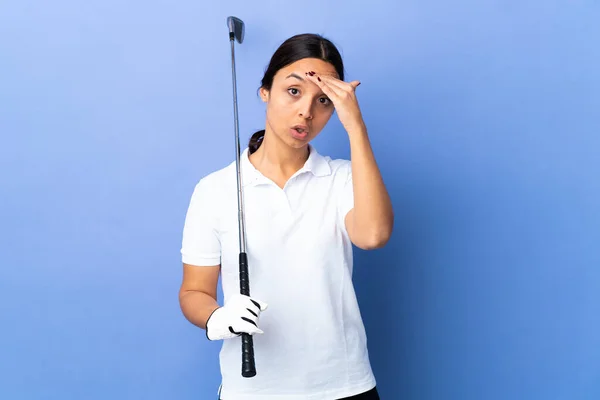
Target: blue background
column 484, row 116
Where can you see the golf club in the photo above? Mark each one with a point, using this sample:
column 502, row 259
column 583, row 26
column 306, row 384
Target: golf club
column 236, row 33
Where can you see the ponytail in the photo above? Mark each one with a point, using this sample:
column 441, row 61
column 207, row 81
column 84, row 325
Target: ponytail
column 256, row 141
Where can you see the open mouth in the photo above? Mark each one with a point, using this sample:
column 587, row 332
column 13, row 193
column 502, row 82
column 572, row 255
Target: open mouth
column 299, row 132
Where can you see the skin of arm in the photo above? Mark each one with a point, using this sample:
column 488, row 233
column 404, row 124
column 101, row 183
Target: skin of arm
column 370, row 222
column 198, row 293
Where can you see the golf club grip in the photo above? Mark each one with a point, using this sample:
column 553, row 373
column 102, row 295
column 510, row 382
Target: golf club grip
column 248, row 366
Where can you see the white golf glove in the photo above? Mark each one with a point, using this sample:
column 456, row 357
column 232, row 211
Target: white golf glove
column 239, row 315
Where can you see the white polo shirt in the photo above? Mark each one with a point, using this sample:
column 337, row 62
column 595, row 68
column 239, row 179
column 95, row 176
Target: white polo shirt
column 314, row 345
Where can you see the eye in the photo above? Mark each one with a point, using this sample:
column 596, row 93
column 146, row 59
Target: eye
column 293, row 91
column 325, row 101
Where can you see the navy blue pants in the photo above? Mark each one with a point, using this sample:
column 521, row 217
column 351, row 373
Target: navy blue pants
column 369, row 395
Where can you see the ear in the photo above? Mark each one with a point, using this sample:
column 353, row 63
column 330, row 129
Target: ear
column 264, row 95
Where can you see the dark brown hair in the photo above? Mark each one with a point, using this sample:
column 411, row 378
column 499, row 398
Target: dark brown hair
column 307, row 45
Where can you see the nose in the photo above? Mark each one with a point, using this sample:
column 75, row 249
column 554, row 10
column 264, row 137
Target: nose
column 306, row 109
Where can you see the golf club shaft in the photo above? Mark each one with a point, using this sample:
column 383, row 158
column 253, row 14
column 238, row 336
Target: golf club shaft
column 248, row 364
column 241, row 218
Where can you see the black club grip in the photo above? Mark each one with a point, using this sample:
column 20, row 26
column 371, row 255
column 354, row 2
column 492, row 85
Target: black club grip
column 248, row 366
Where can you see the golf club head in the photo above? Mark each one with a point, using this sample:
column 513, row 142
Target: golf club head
column 236, row 27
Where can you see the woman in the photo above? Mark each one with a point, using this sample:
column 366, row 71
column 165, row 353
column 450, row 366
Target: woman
column 303, row 212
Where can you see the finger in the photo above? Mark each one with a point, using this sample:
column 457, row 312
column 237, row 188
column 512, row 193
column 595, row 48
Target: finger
column 243, row 301
column 320, row 80
column 247, row 329
column 251, row 320
column 253, row 314
column 250, row 315
column 355, row 84
column 253, row 307
column 262, row 306
column 243, row 326
column 345, row 86
column 335, row 82
column 326, row 88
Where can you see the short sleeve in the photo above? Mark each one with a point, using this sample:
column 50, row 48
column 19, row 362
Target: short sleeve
column 200, row 243
column 346, row 196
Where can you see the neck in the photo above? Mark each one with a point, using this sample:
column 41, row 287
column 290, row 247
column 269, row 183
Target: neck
column 274, row 157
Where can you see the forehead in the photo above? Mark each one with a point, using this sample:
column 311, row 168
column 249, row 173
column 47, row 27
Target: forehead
column 300, row 67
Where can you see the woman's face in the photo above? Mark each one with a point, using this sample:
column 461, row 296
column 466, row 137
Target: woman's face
column 297, row 109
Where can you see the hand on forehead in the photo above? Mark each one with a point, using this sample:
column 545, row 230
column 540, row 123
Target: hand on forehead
column 301, row 67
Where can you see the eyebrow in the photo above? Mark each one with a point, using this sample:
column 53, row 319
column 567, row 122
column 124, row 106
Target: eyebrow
column 292, row 75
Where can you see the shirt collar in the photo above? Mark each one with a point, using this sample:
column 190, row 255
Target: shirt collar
column 315, row 164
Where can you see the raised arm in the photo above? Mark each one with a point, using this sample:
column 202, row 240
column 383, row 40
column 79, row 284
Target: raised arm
column 369, row 223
